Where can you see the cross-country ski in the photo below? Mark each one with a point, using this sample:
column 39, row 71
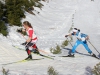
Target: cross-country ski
column 21, row 61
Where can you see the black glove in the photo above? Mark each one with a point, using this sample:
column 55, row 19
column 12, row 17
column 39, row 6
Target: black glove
column 24, row 43
column 19, row 30
column 66, row 35
column 85, row 42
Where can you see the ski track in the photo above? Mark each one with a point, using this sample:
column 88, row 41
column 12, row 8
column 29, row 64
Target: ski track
column 51, row 25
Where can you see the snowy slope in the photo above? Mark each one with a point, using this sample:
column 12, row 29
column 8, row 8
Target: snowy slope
column 51, row 25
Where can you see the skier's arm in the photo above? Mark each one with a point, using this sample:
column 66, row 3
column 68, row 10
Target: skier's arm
column 30, row 36
column 69, row 34
column 29, row 39
column 86, row 37
column 21, row 30
column 83, row 37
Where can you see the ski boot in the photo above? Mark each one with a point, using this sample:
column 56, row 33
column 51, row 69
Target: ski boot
column 71, row 55
column 29, row 57
column 93, row 55
column 35, row 51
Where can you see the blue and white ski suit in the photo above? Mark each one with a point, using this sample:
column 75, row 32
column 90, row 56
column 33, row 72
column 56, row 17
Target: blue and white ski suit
column 80, row 40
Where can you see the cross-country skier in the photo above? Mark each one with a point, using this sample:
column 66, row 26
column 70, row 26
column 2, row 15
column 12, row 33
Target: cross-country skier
column 81, row 39
column 30, row 43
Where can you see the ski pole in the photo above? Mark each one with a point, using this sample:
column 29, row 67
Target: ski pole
column 23, row 36
column 70, row 42
column 93, row 46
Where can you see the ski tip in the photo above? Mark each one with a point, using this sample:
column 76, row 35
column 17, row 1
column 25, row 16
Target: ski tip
column 99, row 55
column 98, row 58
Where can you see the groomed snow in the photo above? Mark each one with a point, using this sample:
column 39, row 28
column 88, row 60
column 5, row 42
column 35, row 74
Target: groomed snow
column 51, row 25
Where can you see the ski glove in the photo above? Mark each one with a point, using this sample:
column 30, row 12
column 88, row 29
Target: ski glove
column 66, row 35
column 24, row 43
column 85, row 42
column 19, row 30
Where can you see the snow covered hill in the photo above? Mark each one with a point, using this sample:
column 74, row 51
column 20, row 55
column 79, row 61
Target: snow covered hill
column 51, row 25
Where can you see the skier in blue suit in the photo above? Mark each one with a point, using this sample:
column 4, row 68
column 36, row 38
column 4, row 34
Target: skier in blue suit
column 81, row 39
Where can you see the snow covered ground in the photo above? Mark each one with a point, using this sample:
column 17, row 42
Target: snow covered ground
column 51, row 25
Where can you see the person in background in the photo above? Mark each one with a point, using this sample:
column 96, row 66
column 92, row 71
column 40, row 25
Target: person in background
column 81, row 39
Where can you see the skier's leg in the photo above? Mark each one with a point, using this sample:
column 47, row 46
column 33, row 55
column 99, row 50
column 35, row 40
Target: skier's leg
column 32, row 47
column 86, row 47
column 89, row 51
column 35, row 49
column 74, row 48
column 29, row 50
column 29, row 54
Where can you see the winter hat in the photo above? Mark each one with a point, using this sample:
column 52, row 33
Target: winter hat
column 74, row 30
